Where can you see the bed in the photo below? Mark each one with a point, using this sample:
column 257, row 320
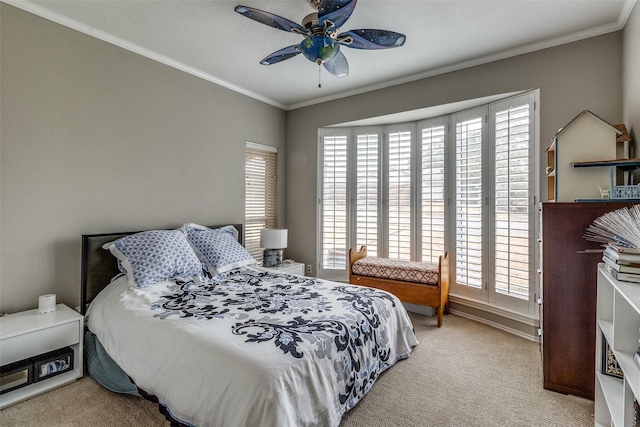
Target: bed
column 239, row 345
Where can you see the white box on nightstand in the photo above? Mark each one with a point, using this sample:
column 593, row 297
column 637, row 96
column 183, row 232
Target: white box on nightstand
column 28, row 334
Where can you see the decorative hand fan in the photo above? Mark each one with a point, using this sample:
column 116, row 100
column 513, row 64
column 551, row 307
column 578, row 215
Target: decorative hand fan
column 322, row 35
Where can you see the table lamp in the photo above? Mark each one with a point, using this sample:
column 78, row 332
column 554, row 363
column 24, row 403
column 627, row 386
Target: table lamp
column 273, row 241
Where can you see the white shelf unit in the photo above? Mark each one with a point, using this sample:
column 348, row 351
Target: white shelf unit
column 618, row 319
column 27, row 334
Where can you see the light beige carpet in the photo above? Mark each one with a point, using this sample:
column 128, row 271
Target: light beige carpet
column 463, row 374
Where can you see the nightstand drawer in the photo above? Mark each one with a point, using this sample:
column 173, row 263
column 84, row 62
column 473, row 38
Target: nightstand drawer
column 36, row 342
column 288, row 267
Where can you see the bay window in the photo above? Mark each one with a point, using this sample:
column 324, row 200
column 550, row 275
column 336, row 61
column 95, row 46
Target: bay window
column 464, row 182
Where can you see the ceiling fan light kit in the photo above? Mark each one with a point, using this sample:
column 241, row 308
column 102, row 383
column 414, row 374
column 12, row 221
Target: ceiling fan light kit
column 322, row 35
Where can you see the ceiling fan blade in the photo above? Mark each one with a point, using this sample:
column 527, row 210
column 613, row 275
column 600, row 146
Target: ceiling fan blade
column 281, row 55
column 371, row 39
column 269, row 19
column 336, row 11
column 338, row 65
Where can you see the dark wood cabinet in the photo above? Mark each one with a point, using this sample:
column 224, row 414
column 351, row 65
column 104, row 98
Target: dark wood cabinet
column 569, row 295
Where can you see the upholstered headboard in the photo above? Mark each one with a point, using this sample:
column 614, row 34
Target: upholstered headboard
column 99, row 266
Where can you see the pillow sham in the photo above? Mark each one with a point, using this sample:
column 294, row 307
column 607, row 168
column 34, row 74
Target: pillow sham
column 217, row 248
column 155, row 256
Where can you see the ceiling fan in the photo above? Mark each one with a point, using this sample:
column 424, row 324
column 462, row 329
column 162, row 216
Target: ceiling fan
column 322, row 35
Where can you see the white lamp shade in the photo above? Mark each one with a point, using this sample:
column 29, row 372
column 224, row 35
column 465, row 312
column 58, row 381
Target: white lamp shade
column 273, row 238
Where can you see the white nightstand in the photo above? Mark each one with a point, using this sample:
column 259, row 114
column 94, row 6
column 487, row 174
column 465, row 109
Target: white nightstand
column 288, row 267
column 28, row 334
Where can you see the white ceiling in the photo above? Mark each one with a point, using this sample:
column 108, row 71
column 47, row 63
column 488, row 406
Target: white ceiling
column 210, row 40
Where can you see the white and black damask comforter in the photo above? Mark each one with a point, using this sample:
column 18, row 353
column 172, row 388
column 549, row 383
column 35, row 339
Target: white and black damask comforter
column 253, row 348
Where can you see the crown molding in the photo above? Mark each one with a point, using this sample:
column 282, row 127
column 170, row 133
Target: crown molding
column 132, row 47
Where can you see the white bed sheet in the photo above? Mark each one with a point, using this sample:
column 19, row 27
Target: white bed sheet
column 255, row 348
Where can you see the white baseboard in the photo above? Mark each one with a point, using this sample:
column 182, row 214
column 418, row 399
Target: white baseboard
column 495, row 325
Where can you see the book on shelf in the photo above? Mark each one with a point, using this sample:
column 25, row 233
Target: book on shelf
column 610, row 365
column 621, row 257
column 623, row 277
column 622, row 268
column 623, row 249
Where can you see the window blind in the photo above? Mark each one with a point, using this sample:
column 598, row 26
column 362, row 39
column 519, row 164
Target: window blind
column 367, row 199
column 468, row 227
column 399, row 187
column 261, row 203
column 432, row 234
column 512, row 187
column 334, row 203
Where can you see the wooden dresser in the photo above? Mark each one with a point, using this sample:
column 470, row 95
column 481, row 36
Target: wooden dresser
column 569, row 295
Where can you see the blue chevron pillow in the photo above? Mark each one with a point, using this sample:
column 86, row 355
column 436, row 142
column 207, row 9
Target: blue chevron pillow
column 217, row 248
column 155, row 256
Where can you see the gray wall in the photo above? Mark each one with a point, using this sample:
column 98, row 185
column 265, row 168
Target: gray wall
column 572, row 78
column 97, row 139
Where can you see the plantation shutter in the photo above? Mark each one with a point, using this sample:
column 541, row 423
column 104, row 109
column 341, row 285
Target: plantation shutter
column 399, row 194
column 468, row 210
column 334, row 202
column 367, row 188
column 512, row 195
column 260, row 194
column 432, row 209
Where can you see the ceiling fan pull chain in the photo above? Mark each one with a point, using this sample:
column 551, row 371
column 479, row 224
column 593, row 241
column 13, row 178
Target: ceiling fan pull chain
column 319, row 74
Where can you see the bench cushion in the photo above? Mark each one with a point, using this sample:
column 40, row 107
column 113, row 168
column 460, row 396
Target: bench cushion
column 393, row 269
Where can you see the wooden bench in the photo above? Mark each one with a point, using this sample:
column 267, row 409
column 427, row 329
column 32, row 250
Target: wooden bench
column 422, row 283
